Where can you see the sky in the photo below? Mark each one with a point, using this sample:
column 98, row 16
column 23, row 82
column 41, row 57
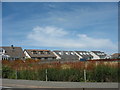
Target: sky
column 82, row 26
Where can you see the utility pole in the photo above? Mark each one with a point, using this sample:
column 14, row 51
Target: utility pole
column 46, row 74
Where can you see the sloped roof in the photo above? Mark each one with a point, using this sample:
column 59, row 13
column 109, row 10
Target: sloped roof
column 116, row 55
column 36, row 50
column 84, row 54
column 38, row 55
column 69, row 55
column 16, row 52
column 99, row 53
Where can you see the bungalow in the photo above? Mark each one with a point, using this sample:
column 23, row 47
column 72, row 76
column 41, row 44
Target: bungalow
column 39, row 54
column 84, row 55
column 98, row 55
column 11, row 53
column 66, row 55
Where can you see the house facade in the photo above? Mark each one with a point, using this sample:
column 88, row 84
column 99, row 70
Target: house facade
column 84, row 55
column 14, row 53
column 66, row 55
column 39, row 54
column 11, row 53
column 98, row 55
column 115, row 56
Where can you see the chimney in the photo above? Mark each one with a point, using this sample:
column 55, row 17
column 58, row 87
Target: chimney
column 12, row 46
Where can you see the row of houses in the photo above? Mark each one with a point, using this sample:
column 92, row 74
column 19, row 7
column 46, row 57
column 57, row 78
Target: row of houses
column 14, row 53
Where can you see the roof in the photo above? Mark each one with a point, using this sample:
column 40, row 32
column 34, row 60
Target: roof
column 84, row 54
column 36, row 50
column 16, row 52
column 45, row 53
column 115, row 55
column 99, row 53
column 66, row 54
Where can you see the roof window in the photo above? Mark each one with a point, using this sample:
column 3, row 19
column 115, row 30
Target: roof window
column 72, row 53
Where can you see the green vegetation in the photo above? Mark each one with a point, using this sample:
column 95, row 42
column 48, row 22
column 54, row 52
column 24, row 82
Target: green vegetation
column 100, row 73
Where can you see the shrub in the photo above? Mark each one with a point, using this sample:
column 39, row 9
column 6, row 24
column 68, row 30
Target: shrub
column 7, row 72
column 70, row 71
column 74, row 75
column 104, row 73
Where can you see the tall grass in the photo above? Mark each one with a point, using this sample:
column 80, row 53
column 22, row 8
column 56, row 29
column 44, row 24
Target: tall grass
column 70, row 71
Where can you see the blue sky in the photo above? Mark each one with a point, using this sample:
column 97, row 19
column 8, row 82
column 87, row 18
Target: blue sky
column 61, row 26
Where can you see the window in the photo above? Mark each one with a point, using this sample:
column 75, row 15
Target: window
column 39, row 58
column 1, row 50
column 67, row 53
column 81, row 53
column 50, row 58
column 46, row 57
column 47, row 52
column 39, row 52
column 99, row 53
column 42, row 52
column 84, row 53
column 34, row 52
column 87, row 53
column 102, row 53
column 60, row 53
column 42, row 58
column 53, row 58
column 72, row 53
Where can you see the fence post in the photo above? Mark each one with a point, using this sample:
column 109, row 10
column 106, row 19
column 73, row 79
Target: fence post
column 46, row 74
column 85, row 75
column 16, row 74
column 85, row 71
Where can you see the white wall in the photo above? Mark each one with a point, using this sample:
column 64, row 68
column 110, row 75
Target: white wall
column 26, row 55
column 94, row 55
column 2, row 51
column 4, row 57
column 57, row 57
column 78, row 55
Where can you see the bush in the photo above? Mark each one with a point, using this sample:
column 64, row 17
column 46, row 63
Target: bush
column 72, row 72
column 73, row 75
column 104, row 73
column 7, row 72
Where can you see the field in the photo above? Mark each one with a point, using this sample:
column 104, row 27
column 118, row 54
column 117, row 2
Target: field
column 89, row 71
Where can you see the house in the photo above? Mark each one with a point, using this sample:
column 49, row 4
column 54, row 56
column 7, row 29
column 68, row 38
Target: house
column 11, row 53
column 39, row 54
column 98, row 55
column 115, row 56
column 84, row 55
column 66, row 55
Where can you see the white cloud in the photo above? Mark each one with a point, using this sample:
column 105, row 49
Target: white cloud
column 57, row 37
column 48, row 31
column 95, row 42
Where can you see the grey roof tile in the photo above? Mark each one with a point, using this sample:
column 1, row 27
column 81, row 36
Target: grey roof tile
column 16, row 52
column 40, row 53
